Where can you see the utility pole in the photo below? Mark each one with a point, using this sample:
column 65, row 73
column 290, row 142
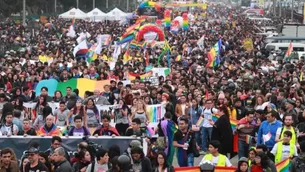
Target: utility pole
column 127, row 5
column 107, row 4
column 77, row 4
column 55, row 5
column 292, row 8
column 23, row 12
column 280, row 8
column 93, row 4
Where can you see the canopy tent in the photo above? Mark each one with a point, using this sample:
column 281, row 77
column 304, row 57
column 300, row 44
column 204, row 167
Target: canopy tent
column 96, row 15
column 73, row 13
column 116, row 14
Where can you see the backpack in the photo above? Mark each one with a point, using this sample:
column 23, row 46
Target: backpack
column 210, row 109
column 85, row 131
column 293, row 129
column 300, row 165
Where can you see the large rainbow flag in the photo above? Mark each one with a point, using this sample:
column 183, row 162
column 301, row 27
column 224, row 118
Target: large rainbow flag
column 82, row 84
column 288, row 52
column 213, row 55
column 283, row 166
column 232, row 121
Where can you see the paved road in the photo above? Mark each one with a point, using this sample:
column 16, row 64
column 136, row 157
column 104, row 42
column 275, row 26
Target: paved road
column 234, row 161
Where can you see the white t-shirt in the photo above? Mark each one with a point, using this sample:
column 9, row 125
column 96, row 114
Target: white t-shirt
column 207, row 115
column 278, row 131
column 285, row 151
column 215, row 161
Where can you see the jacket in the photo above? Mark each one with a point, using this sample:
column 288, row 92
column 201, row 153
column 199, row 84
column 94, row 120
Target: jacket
column 13, row 167
column 178, row 109
column 63, row 166
column 268, row 129
column 53, row 132
column 296, row 163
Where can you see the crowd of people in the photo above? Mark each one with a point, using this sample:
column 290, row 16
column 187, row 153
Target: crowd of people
column 266, row 99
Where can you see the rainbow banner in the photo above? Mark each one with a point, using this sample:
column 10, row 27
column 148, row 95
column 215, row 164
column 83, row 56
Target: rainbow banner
column 155, row 113
column 178, row 58
column 232, row 121
column 82, row 84
column 167, row 18
column 283, row 166
column 213, row 55
column 248, row 139
column 197, row 169
column 132, row 76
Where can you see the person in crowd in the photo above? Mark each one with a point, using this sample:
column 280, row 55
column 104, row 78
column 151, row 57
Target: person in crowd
column 222, row 130
column 7, row 164
column 194, row 113
column 40, row 105
column 135, row 129
column 113, row 151
column 57, row 96
column 43, row 93
column 40, row 120
column 121, row 117
column 84, row 161
column 114, row 164
column 27, row 129
column 242, row 165
column 17, row 119
column 206, row 128
column 263, row 148
column 78, row 129
column 184, row 140
column 251, row 156
column 97, row 98
column 8, row 128
column 298, row 163
column 260, row 163
column 215, row 157
column 34, row 164
column 244, row 128
column 284, row 149
column 56, row 142
column 182, row 107
column 78, row 109
column 61, row 164
column 101, row 161
column 49, row 129
column 43, row 157
column 288, row 122
column 92, row 115
column 162, row 164
column 61, row 114
column 140, row 113
column 24, row 161
column 139, row 161
column 105, row 129
column 109, row 95
column 267, row 131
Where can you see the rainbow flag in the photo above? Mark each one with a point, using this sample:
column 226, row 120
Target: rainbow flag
column 126, row 39
column 126, row 56
column 91, row 55
column 200, row 121
column 132, row 76
column 108, row 41
column 213, row 55
column 248, row 139
column 225, row 169
column 283, row 166
column 288, row 52
column 171, row 149
column 178, row 58
column 232, row 121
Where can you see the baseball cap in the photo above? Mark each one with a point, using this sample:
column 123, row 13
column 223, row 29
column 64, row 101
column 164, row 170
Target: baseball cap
column 32, row 150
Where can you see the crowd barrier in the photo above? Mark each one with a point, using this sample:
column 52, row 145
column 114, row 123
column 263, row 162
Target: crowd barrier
column 20, row 143
column 197, row 169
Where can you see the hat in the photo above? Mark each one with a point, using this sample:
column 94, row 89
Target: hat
column 243, row 159
column 32, row 150
column 135, row 143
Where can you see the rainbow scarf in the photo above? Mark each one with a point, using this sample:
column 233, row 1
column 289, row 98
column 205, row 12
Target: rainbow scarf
column 185, row 21
column 167, row 18
column 248, row 139
column 232, row 121
column 283, row 166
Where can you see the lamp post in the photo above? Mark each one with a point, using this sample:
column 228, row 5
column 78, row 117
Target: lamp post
column 23, row 12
